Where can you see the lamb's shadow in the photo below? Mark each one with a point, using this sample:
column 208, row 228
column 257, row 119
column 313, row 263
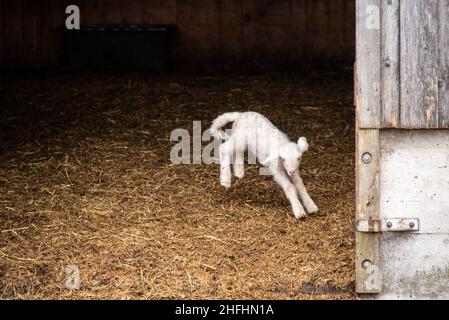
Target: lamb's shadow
column 253, row 189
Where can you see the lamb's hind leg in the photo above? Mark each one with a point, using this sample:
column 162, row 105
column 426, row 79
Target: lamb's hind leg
column 291, row 194
column 310, row 205
column 239, row 162
column 226, row 151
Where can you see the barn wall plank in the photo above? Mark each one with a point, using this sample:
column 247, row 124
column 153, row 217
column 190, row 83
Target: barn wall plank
column 46, row 44
column 419, row 56
column 199, row 22
column 13, row 32
column 54, row 13
column 368, row 58
column 266, row 28
column 367, row 207
column 299, row 30
column 31, row 31
column 2, row 31
column 113, row 12
column 153, row 11
column 132, row 11
column 231, row 28
column 318, row 28
column 93, row 12
column 443, row 64
column 390, row 82
column 170, row 11
column 349, row 29
column 335, row 27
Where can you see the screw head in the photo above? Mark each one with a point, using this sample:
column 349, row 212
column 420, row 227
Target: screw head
column 367, row 157
column 389, row 225
column 366, row 264
column 411, row 225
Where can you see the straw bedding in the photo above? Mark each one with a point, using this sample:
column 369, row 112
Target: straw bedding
column 85, row 179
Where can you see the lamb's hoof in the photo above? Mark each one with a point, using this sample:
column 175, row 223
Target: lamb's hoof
column 300, row 215
column 312, row 209
column 226, row 184
column 240, row 175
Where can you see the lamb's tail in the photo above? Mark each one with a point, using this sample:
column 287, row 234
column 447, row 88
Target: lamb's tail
column 217, row 125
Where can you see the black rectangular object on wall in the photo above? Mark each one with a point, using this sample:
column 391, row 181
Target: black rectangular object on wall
column 135, row 47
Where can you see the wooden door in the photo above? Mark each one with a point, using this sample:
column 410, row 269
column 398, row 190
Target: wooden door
column 402, row 101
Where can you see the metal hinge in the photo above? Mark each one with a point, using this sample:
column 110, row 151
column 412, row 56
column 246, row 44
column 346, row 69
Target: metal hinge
column 387, row 225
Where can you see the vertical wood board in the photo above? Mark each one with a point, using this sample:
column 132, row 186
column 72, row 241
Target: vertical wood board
column 368, row 59
column 390, row 83
column 367, row 207
column 419, row 64
column 443, row 64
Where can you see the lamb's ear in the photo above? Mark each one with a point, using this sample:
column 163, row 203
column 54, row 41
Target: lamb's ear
column 270, row 158
column 303, row 145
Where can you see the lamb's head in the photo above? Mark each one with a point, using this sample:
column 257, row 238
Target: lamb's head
column 290, row 155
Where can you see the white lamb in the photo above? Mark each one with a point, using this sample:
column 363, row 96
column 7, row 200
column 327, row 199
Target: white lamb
column 256, row 134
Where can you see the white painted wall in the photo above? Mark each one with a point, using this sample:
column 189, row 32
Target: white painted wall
column 414, row 183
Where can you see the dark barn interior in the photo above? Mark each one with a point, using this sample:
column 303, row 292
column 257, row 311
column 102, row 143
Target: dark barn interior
column 85, row 174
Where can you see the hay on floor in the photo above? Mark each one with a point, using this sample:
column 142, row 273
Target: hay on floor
column 85, row 180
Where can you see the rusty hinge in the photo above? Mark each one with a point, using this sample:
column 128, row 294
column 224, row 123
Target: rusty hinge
column 387, row 225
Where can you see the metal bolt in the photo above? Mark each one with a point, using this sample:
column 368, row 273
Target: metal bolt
column 366, row 264
column 411, row 225
column 367, row 157
column 389, row 225
column 387, row 63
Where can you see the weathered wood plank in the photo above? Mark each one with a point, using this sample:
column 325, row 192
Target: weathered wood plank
column 368, row 59
column 419, row 58
column 367, row 207
column 199, row 22
column 153, row 11
column 13, row 32
column 93, row 12
column 113, row 12
column 317, row 29
column 231, row 29
column 390, row 83
column 443, row 64
column 335, row 26
column 348, row 31
column 54, row 13
column 132, row 11
column 170, row 11
column 266, row 28
column 31, row 31
column 299, row 28
column 2, row 31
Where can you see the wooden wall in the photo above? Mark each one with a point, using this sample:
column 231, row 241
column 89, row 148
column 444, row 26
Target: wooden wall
column 266, row 30
column 403, row 68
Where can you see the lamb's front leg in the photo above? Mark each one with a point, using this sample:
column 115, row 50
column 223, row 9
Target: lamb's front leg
column 226, row 151
column 291, row 194
column 310, row 205
column 239, row 163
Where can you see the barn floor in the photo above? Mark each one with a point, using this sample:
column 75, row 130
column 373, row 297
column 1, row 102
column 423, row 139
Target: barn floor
column 85, row 179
